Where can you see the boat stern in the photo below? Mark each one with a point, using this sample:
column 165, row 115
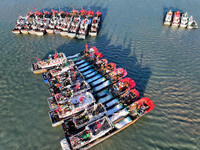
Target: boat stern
column 64, row 144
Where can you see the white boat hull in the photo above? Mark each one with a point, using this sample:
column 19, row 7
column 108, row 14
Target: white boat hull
column 64, row 33
column 64, row 144
column 71, row 35
column 175, row 24
column 16, row 32
column 57, row 31
column 24, row 31
column 93, row 33
column 190, row 27
column 183, row 25
column 41, row 33
column 167, row 23
column 80, row 36
column 31, row 32
column 49, row 31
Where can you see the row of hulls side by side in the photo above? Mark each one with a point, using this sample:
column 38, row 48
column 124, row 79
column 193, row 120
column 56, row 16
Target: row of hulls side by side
column 56, row 22
column 177, row 19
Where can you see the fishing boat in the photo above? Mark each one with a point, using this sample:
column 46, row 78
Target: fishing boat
column 74, row 27
column 53, row 60
column 176, row 19
column 83, row 30
column 76, row 20
column 65, row 27
column 73, row 106
column 64, row 93
column 95, row 24
column 57, row 70
column 92, row 132
column 192, row 23
column 184, row 20
column 81, row 119
column 118, row 122
column 168, row 18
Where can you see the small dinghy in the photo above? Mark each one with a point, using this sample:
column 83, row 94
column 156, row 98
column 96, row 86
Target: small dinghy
column 168, row 18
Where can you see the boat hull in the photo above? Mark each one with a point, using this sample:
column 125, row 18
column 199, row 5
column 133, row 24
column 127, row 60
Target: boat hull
column 63, row 33
column 183, row 25
column 175, row 25
column 40, row 33
column 93, row 33
column 57, row 31
column 16, row 32
column 80, row 36
column 49, row 31
column 39, row 71
column 167, row 23
column 71, row 35
column 32, row 32
column 24, row 31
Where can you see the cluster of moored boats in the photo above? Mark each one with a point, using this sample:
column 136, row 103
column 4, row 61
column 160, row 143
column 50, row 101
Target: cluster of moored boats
column 177, row 19
column 74, row 24
column 90, row 97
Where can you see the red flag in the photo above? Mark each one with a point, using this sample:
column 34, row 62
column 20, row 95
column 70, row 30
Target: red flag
column 77, row 85
column 99, row 125
column 38, row 59
column 86, row 46
column 56, row 54
column 81, row 98
column 74, row 75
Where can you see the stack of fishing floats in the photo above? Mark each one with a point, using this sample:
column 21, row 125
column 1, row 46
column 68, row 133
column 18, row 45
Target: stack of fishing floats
column 90, row 97
column 74, row 24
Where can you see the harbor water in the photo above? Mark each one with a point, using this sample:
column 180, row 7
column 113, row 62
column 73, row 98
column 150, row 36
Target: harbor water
column 163, row 61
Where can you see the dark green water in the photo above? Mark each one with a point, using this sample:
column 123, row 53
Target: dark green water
column 163, row 61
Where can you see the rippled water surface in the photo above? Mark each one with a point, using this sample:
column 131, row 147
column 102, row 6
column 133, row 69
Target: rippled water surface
column 163, row 61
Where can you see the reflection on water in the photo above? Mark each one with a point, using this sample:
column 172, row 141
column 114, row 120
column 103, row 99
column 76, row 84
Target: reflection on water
column 163, row 61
